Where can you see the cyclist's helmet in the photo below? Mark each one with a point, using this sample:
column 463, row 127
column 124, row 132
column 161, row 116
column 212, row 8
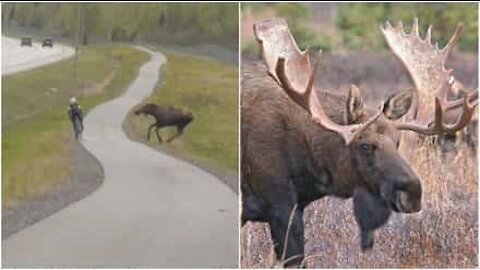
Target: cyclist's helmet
column 73, row 100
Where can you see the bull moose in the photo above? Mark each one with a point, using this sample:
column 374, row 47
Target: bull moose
column 299, row 145
column 165, row 115
column 427, row 80
column 450, row 141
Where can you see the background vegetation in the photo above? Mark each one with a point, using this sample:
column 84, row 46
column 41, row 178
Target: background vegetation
column 181, row 24
column 358, row 22
column 355, row 26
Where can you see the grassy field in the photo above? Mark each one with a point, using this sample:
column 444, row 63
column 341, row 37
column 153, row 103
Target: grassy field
column 207, row 88
column 36, row 129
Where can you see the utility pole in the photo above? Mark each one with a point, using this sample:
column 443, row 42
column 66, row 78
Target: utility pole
column 84, row 27
column 78, row 36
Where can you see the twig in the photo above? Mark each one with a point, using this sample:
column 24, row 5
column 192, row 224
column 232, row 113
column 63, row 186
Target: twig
column 282, row 263
column 302, row 265
column 292, row 213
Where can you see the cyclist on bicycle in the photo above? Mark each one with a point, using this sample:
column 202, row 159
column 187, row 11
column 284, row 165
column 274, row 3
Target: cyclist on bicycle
column 75, row 111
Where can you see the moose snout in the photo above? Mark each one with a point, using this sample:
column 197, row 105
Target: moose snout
column 402, row 188
column 408, row 196
column 408, row 202
column 189, row 117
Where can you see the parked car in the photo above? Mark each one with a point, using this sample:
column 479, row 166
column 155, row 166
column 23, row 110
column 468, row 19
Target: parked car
column 47, row 42
column 26, row 41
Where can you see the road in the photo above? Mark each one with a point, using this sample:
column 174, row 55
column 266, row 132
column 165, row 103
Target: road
column 16, row 58
column 151, row 211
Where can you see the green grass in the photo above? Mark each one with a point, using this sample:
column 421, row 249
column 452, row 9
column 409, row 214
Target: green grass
column 209, row 89
column 36, row 129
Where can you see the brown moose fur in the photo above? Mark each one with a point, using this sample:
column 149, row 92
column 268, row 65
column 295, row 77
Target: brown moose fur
column 288, row 159
column 165, row 115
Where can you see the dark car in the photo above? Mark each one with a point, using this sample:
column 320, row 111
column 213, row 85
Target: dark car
column 26, row 41
column 48, row 42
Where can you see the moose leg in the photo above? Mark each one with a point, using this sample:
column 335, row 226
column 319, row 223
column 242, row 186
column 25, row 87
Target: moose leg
column 252, row 209
column 150, row 130
column 158, row 135
column 279, row 220
column 179, row 133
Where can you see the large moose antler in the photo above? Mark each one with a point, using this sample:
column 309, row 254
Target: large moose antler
column 291, row 69
column 425, row 65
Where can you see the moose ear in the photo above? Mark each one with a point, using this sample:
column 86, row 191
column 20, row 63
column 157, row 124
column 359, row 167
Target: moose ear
column 355, row 107
column 398, row 104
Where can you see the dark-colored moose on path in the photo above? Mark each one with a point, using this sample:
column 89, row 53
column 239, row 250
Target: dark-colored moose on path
column 299, row 144
column 165, row 115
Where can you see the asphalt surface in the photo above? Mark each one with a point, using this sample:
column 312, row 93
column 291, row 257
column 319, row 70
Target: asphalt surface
column 16, row 58
column 151, row 211
column 86, row 176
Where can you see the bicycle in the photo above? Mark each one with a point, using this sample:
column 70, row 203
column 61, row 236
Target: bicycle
column 77, row 127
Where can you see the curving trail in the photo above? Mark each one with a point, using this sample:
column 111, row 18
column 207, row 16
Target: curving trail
column 152, row 210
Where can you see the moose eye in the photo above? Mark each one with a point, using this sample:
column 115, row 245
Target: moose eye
column 367, row 148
